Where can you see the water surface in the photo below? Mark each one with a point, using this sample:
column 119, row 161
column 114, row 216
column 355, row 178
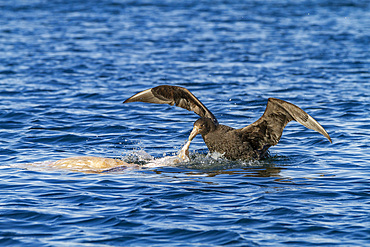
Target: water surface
column 67, row 66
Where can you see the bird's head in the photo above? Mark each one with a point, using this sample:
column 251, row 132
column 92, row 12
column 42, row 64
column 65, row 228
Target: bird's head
column 202, row 126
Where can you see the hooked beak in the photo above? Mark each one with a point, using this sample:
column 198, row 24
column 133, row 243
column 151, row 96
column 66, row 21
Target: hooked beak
column 194, row 133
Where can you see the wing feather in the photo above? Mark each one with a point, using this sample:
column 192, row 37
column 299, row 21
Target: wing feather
column 173, row 95
column 277, row 115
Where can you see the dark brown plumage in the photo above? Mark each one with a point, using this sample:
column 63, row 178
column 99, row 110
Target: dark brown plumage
column 251, row 141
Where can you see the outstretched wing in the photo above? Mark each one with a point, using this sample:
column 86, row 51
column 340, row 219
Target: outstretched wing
column 277, row 115
column 173, row 95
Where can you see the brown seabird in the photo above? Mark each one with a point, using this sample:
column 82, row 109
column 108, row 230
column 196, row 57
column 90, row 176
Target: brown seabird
column 251, row 141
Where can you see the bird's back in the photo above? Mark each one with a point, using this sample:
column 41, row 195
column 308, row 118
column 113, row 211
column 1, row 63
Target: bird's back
column 230, row 142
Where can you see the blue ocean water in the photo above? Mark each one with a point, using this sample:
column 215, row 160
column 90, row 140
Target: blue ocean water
column 67, row 66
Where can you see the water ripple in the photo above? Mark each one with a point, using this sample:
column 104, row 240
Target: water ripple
column 66, row 68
